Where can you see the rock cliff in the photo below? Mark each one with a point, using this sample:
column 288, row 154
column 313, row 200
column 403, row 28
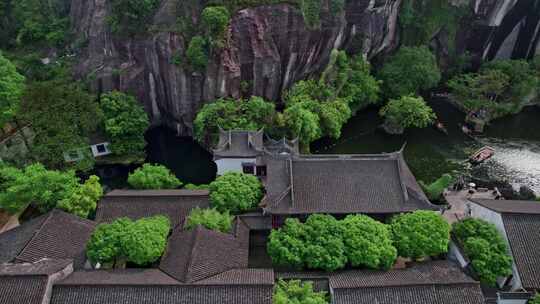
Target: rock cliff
column 267, row 49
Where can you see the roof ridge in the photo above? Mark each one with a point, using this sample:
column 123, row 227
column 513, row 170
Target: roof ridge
column 48, row 217
column 410, row 285
column 196, row 231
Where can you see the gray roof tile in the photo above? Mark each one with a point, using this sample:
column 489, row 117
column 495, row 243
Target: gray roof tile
column 510, row 206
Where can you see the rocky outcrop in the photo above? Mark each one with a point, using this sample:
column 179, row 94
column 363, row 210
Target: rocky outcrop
column 268, row 48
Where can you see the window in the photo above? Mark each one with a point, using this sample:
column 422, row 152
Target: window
column 248, row 168
column 101, row 148
column 261, row 170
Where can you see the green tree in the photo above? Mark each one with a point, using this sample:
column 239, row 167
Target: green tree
column 211, row 219
column 368, row 242
column 286, row 244
column 535, row 299
column 153, row 177
column 125, row 123
column 409, row 71
column 84, row 199
column 141, row 242
column 63, row 116
column 361, row 88
column 302, row 123
column 252, row 114
column 235, row 192
column 294, row 291
column 197, row 53
column 406, row 112
column 41, row 22
column 420, row 234
column 215, row 20
column 34, row 185
column 131, row 16
column 485, row 247
column 11, row 90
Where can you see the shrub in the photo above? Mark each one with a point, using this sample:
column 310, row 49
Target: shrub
column 131, row 15
column 211, row 219
column 197, row 187
column 125, row 123
column 406, row 112
column 84, row 199
column 294, row 291
column 311, row 10
column 436, row 189
column 323, row 242
column 11, row 90
column 409, row 71
column 142, row 241
column 197, row 53
column 485, row 247
column 420, row 234
column 535, row 299
column 153, row 177
column 235, row 192
column 215, row 20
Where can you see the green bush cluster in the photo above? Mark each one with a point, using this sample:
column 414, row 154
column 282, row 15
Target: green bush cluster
column 535, row 299
column 500, row 86
column 435, row 190
column 197, row 53
column 12, row 86
column 47, row 189
column 211, row 219
column 235, row 192
column 406, row 112
column 125, row 123
column 296, row 291
column 141, row 242
column 153, row 177
column 420, row 234
column 197, row 187
column 228, row 114
column 131, row 16
column 485, row 247
column 215, row 20
column 323, row 242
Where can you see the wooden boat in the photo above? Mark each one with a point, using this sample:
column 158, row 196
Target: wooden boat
column 440, row 126
column 482, row 155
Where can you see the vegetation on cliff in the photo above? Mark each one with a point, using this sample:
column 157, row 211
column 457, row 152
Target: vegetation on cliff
column 235, row 192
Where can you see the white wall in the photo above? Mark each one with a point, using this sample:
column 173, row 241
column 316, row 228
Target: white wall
column 495, row 218
column 225, row 165
column 455, row 254
column 95, row 151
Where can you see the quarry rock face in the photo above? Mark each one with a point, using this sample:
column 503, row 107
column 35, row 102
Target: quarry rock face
column 266, row 50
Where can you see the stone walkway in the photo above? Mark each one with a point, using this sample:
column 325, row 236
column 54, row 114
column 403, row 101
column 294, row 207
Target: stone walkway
column 458, row 203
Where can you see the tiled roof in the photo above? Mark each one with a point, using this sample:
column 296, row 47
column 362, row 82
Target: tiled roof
column 55, row 235
column 240, row 144
column 510, row 206
column 245, row 276
column 130, row 277
column 41, row 267
column 177, row 294
column 438, row 282
column 523, row 232
column 13, row 241
column 135, row 204
column 342, row 184
column 199, row 253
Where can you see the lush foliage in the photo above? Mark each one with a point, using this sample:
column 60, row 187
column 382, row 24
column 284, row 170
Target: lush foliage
column 197, row 53
column 153, row 177
column 368, row 243
column 235, row 192
column 141, row 242
column 34, row 185
column 535, row 299
column 210, row 218
column 197, row 187
column 125, row 123
column 312, row 9
column 296, row 292
column 323, row 242
column 420, row 234
column 229, row 114
column 435, row 190
column 215, row 20
column 83, row 200
column 361, row 88
column 131, row 16
column 408, row 111
column 62, row 115
column 11, row 90
column 409, row 71
column 485, row 247
column 501, row 87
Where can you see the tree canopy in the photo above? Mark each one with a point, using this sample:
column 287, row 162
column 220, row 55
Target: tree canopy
column 63, row 115
column 420, row 234
column 141, row 242
column 197, row 53
column 409, row 71
column 235, row 192
column 251, row 114
column 11, row 90
column 125, row 123
column 323, row 242
column 47, row 189
column 210, row 218
column 131, row 16
column 297, row 292
column 151, row 176
column 406, row 112
column 215, row 20
column 485, row 247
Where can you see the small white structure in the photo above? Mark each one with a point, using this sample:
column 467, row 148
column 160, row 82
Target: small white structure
column 100, row 149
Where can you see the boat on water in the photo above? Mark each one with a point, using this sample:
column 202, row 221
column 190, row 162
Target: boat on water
column 441, row 127
column 482, row 155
